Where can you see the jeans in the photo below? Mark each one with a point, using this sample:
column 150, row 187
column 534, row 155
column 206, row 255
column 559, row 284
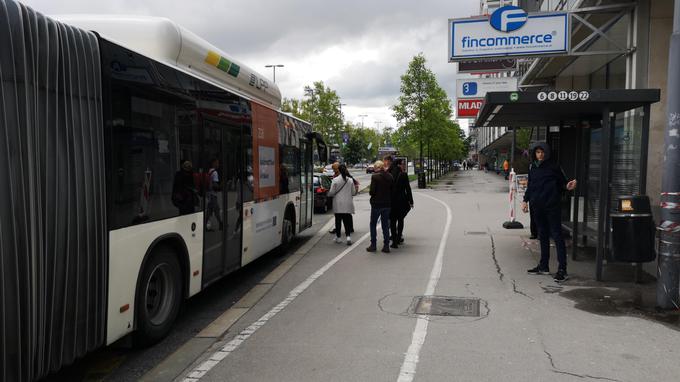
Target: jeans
column 347, row 219
column 549, row 223
column 384, row 215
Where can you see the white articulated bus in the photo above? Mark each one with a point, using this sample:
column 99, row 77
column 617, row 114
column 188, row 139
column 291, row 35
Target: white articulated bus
column 139, row 165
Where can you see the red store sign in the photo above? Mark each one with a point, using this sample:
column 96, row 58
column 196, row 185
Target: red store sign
column 469, row 107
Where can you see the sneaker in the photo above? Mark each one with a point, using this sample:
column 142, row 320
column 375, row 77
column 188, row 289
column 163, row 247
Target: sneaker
column 338, row 240
column 538, row 271
column 385, row 249
column 561, row 276
column 332, row 230
column 394, row 245
column 401, row 240
column 533, row 237
column 349, row 240
column 370, row 248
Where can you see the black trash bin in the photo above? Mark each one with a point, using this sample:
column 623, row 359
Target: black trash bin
column 422, row 183
column 633, row 230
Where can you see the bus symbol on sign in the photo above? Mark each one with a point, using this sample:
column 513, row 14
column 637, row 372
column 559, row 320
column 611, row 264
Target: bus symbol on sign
column 514, row 97
column 470, row 88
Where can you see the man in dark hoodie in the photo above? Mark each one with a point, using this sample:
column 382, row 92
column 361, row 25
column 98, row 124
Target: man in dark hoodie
column 381, row 200
column 546, row 183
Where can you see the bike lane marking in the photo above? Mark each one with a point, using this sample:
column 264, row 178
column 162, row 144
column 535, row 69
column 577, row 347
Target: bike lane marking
column 408, row 367
column 197, row 373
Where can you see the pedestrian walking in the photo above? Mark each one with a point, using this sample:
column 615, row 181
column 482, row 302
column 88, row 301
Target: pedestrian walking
column 391, row 166
column 336, row 172
column 506, row 168
column 381, row 200
column 342, row 190
column 543, row 195
column 402, row 202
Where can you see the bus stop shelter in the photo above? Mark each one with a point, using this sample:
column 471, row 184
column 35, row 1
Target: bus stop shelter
column 601, row 132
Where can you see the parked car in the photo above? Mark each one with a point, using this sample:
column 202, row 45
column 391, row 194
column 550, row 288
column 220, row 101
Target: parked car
column 370, row 169
column 322, row 184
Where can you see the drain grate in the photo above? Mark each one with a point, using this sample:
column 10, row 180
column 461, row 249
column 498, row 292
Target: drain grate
column 475, row 232
column 446, row 306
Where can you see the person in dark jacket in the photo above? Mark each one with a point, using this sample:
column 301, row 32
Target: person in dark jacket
column 381, row 200
column 402, row 202
column 391, row 166
column 546, row 184
column 184, row 194
column 532, row 221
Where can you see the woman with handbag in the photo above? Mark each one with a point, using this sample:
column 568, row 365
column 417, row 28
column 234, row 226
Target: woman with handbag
column 342, row 190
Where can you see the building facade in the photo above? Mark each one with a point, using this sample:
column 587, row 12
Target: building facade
column 615, row 44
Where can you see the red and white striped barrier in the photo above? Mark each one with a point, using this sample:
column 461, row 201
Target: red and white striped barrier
column 512, row 192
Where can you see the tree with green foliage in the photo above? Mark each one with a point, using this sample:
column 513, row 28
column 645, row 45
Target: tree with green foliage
column 360, row 139
column 424, row 111
column 321, row 108
column 294, row 106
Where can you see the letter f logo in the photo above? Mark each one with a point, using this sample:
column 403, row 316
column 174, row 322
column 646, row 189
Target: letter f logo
column 508, row 18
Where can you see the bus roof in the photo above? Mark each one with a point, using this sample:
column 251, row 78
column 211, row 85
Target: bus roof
column 169, row 43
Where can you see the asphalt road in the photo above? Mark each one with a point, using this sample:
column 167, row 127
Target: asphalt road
column 343, row 314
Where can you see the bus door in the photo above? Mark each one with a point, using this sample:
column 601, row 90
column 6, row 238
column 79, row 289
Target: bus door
column 222, row 232
column 306, row 192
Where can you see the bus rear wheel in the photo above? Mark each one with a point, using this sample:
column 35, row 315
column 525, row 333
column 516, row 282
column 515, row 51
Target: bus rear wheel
column 159, row 297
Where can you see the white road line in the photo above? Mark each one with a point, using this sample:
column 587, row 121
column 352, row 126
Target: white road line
column 201, row 370
column 408, row 368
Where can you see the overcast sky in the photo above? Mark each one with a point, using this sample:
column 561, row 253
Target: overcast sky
column 358, row 48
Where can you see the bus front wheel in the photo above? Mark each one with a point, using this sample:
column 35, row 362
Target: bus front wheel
column 159, row 296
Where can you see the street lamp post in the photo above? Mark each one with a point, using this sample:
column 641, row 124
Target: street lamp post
column 362, row 119
column 274, row 66
column 309, row 92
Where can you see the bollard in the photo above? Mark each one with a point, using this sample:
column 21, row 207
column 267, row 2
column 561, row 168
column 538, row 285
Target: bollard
column 512, row 182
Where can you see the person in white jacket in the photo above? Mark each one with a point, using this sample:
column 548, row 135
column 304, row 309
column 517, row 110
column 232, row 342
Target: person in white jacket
column 342, row 190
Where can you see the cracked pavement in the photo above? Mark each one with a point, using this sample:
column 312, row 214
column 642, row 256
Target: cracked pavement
column 355, row 322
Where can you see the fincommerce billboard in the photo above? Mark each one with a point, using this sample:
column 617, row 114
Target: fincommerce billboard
column 509, row 31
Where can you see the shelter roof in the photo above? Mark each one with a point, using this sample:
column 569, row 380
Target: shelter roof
column 526, row 109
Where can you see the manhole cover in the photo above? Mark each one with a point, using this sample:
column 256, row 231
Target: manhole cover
column 446, row 306
column 475, row 233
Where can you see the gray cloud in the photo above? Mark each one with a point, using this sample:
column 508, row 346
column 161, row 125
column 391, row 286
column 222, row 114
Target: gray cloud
column 303, row 33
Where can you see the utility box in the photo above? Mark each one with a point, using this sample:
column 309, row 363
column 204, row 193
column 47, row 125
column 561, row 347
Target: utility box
column 633, row 230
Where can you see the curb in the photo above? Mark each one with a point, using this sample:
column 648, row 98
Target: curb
column 176, row 363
